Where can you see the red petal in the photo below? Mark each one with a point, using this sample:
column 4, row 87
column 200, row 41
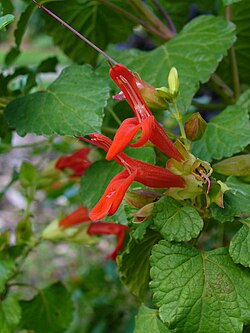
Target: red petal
column 147, row 127
column 113, row 195
column 105, row 228
column 126, row 81
column 80, row 215
column 123, row 136
column 78, row 162
column 160, row 139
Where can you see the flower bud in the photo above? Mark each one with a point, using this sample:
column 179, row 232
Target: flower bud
column 173, row 81
column 195, row 127
column 152, row 97
column 142, row 214
column 76, row 234
column 140, row 198
column 234, row 166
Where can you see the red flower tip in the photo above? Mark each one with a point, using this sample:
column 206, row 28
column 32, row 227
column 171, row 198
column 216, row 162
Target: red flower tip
column 106, row 228
column 113, row 195
column 77, row 162
column 80, row 215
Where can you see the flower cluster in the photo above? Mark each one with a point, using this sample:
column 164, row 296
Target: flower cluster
column 134, row 170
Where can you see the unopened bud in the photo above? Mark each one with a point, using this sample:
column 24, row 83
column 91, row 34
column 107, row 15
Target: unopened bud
column 140, row 198
column 170, row 93
column 195, row 127
column 234, row 166
column 153, row 98
column 142, row 214
column 76, row 234
column 173, row 81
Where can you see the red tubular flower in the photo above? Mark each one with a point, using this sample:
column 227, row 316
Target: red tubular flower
column 77, row 162
column 144, row 121
column 105, row 228
column 81, row 215
column 135, row 170
column 113, row 195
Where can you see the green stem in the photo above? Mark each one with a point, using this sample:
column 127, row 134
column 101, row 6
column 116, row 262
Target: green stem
column 178, row 117
column 114, row 115
column 28, row 145
column 152, row 19
column 233, row 60
column 222, row 89
column 109, row 130
column 132, row 18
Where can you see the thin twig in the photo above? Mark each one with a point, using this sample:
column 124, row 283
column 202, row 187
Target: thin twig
column 165, row 15
column 222, row 88
column 76, row 33
column 152, row 18
column 233, row 60
column 133, row 18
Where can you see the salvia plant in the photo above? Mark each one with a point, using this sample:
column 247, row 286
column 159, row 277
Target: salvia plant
column 158, row 155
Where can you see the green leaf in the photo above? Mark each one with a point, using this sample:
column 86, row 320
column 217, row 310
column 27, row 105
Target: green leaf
column 5, row 20
column 147, row 320
column 239, row 248
column 97, row 22
column 7, row 267
column 19, row 33
column 199, row 291
column 225, row 135
column 234, row 166
column 72, row 105
column 7, row 7
column 236, row 202
column 195, row 52
column 176, row 222
column 10, row 314
column 51, row 310
column 134, row 265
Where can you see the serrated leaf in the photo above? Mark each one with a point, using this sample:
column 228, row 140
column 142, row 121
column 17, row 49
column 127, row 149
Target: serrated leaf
column 225, row 135
column 51, row 310
column 239, row 248
column 196, row 52
column 10, row 314
column 5, row 20
column 134, row 263
column 176, row 222
column 97, row 22
column 6, row 271
column 199, row 291
column 236, row 202
column 72, row 105
column 147, row 320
